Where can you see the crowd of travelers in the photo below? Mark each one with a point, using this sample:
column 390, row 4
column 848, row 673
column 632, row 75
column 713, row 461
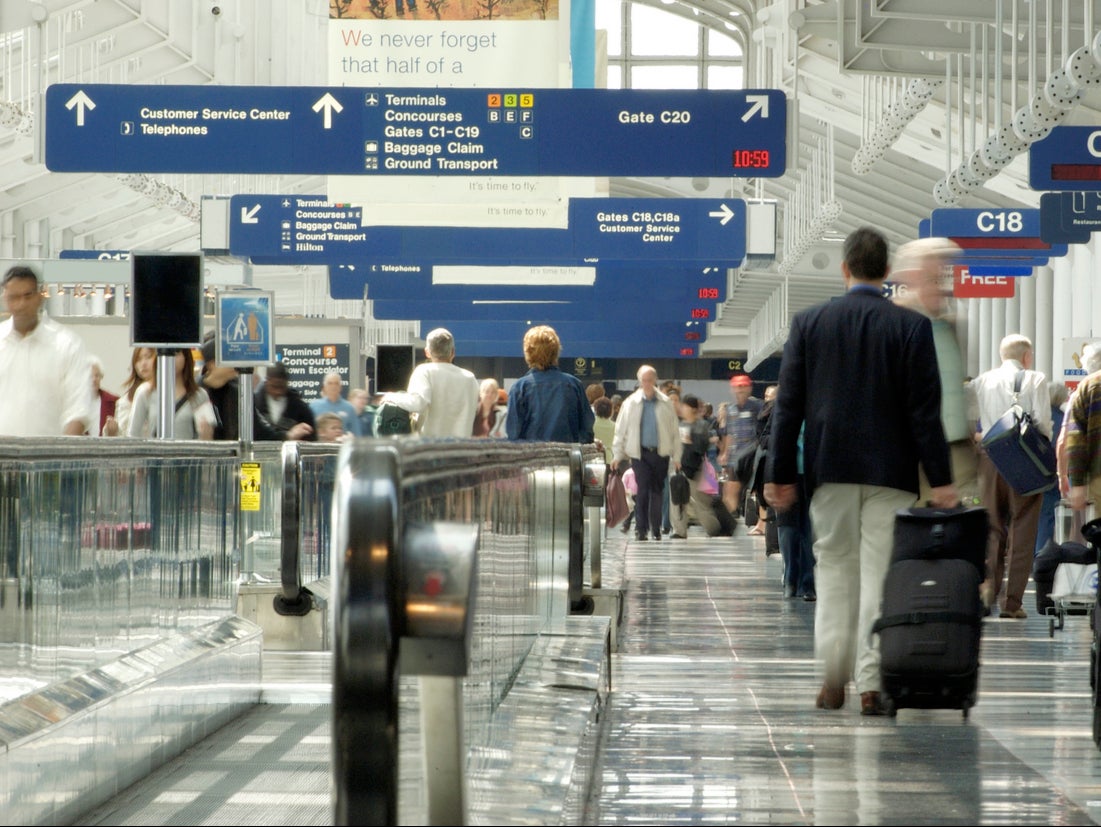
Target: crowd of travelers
column 872, row 413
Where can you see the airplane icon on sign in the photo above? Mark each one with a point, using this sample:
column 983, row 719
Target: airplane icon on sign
column 371, row 99
column 286, row 202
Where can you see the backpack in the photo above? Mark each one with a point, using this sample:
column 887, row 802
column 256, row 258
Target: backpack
column 390, row 420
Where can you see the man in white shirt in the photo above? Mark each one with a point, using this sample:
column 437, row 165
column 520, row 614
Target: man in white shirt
column 443, row 395
column 45, row 375
column 1013, row 517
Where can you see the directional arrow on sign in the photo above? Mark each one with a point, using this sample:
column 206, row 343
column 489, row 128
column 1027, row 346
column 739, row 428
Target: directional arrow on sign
column 248, row 216
column 760, row 104
column 724, row 213
column 81, row 101
column 330, row 105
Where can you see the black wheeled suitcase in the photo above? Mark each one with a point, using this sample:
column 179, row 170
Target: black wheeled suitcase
column 930, row 624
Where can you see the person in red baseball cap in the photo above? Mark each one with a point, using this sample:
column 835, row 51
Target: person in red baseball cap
column 738, row 427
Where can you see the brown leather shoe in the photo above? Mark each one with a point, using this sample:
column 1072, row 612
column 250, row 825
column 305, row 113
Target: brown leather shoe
column 830, row 697
column 870, row 704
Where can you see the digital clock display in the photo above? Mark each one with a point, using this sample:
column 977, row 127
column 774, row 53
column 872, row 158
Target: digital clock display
column 691, row 337
column 687, row 351
column 701, row 313
column 750, row 158
column 708, row 293
column 1076, row 172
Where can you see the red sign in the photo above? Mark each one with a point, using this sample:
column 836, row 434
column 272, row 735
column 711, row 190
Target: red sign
column 966, row 286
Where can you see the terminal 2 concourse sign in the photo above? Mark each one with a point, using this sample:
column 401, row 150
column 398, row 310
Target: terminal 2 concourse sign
column 398, row 131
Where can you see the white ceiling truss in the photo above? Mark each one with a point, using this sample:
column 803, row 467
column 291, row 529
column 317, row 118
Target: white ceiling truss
column 911, row 104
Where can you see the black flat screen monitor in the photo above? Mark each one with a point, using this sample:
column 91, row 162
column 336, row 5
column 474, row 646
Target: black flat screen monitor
column 166, row 300
column 393, row 365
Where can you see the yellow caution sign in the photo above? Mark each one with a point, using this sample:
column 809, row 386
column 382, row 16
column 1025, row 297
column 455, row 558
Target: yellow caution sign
column 250, row 486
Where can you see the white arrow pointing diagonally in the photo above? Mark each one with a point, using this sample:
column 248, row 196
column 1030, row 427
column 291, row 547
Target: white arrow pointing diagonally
column 724, row 213
column 248, row 216
column 81, row 101
column 760, row 104
column 330, row 105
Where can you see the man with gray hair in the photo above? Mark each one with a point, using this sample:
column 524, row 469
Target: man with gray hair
column 1083, row 433
column 1014, row 517
column 924, row 268
column 443, row 395
column 647, row 433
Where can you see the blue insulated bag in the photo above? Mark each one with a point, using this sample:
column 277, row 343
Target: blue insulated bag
column 1022, row 455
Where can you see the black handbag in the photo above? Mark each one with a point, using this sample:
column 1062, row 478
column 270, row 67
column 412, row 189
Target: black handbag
column 679, row 490
column 1022, row 455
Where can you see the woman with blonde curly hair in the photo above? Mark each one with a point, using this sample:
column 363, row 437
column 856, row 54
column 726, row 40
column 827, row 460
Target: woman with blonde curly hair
column 546, row 405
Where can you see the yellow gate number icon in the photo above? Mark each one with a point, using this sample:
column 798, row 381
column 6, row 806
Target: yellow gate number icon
column 250, row 486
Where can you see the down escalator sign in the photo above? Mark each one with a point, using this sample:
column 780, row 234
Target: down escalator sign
column 966, row 286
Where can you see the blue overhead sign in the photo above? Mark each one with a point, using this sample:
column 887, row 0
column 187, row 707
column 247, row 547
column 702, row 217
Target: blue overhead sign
column 307, row 229
column 651, row 349
column 986, row 223
column 408, row 131
column 95, row 255
column 641, row 340
column 1069, row 217
column 1069, row 158
column 683, row 307
column 994, row 236
column 612, row 282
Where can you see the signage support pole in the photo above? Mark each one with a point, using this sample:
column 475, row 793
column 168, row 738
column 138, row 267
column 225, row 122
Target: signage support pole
column 247, row 559
column 166, row 392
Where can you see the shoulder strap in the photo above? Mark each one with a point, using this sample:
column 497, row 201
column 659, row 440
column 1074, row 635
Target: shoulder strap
column 1018, row 380
column 180, row 403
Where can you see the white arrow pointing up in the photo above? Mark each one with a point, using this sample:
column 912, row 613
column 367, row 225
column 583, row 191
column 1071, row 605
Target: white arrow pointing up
column 330, row 105
column 81, row 101
column 724, row 213
column 760, row 104
column 248, row 216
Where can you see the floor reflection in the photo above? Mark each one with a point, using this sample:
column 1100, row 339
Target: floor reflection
column 714, row 719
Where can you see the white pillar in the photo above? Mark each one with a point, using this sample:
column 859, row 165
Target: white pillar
column 985, row 314
column 1013, row 314
column 997, row 330
column 1043, row 341
column 1082, row 285
column 1095, row 283
column 1061, row 308
column 973, row 342
column 1026, row 306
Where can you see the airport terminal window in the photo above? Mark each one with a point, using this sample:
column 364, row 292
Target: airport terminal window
column 665, row 77
column 651, row 48
column 655, row 33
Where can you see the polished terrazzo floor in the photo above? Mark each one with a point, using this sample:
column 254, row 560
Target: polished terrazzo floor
column 712, row 720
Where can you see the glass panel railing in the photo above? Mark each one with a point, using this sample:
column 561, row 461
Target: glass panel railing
column 109, row 545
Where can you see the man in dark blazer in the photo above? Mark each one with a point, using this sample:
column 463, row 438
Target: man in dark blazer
column 861, row 372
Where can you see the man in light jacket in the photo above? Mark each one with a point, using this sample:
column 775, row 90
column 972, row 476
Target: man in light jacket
column 1013, row 517
column 647, row 433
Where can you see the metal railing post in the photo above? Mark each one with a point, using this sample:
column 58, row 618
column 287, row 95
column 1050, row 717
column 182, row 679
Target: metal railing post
column 367, row 583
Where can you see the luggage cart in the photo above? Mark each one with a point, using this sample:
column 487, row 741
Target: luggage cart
column 1074, row 582
column 1074, row 592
